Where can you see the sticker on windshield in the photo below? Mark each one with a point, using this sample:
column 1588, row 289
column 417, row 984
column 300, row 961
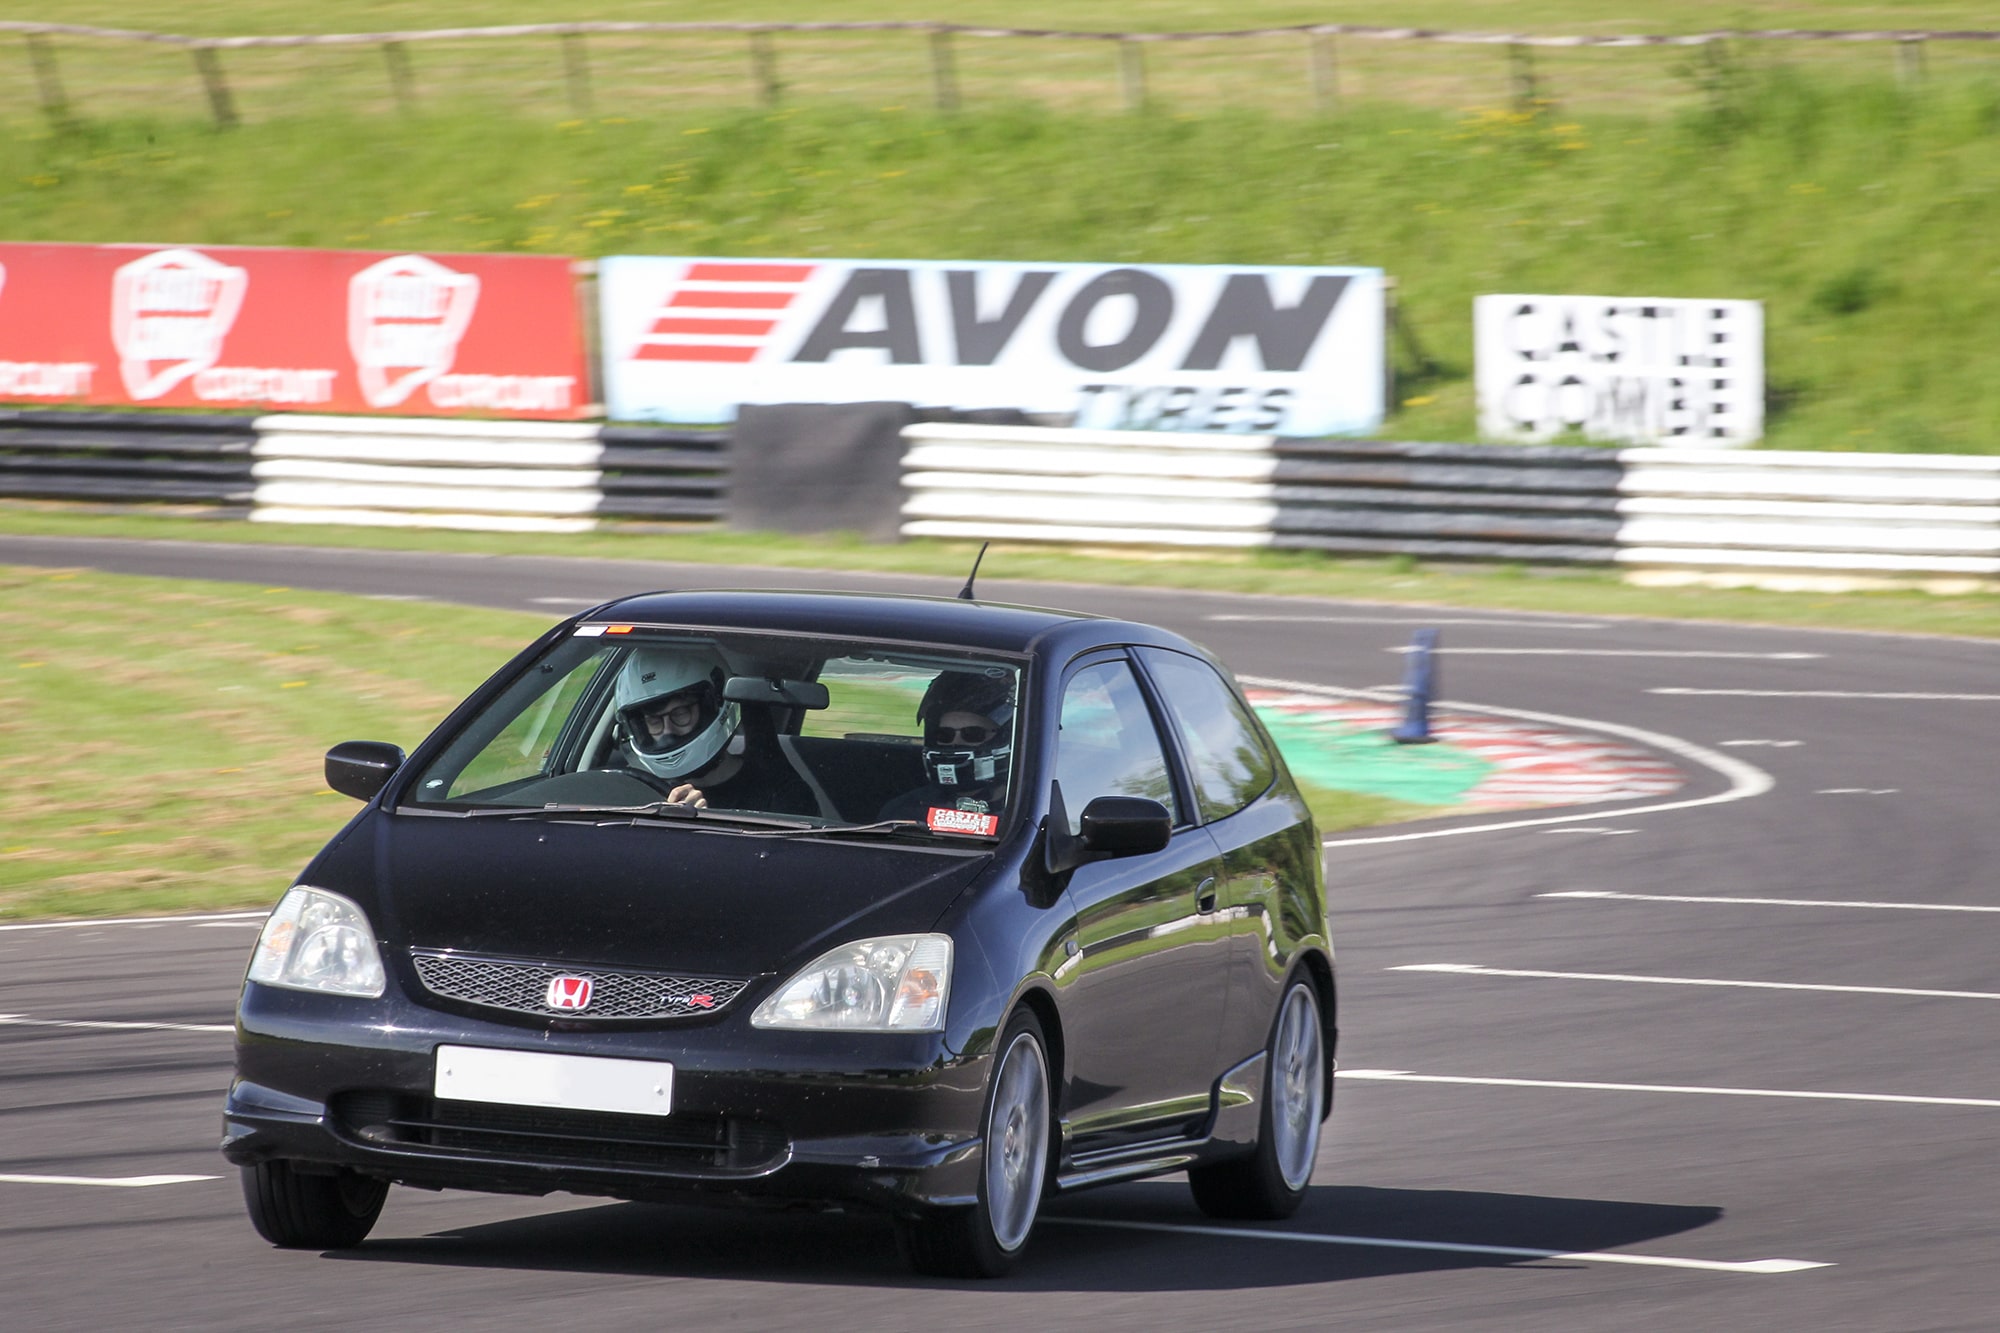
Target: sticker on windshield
column 942, row 820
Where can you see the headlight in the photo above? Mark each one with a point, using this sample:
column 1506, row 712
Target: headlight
column 898, row 983
column 318, row 941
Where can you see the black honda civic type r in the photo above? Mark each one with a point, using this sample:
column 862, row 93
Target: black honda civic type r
column 933, row 906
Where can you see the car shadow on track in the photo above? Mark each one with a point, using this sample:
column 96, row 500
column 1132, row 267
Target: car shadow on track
column 1067, row 1254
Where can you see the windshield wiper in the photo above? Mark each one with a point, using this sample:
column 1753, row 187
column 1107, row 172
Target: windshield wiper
column 651, row 809
column 744, row 821
column 834, row 830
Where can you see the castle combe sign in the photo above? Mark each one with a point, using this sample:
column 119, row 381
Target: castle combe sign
column 1294, row 351
column 1631, row 370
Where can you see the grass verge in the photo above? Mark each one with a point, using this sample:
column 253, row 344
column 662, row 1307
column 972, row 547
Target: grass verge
column 163, row 737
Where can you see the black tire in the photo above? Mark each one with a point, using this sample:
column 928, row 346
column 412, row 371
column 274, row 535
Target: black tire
column 1271, row 1182
column 301, row 1212
column 985, row 1240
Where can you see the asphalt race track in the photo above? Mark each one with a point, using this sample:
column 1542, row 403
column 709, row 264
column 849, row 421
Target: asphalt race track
column 1726, row 1063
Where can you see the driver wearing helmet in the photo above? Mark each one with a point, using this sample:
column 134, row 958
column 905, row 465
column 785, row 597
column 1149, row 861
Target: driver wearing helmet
column 968, row 722
column 677, row 729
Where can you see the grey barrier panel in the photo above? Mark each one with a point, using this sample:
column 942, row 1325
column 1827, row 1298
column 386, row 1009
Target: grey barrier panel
column 652, row 472
column 126, row 457
column 819, row 467
column 1447, row 501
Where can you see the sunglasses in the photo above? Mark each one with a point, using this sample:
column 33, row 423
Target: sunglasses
column 973, row 735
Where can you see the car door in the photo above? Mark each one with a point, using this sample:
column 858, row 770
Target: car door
column 1261, row 830
column 1142, row 1000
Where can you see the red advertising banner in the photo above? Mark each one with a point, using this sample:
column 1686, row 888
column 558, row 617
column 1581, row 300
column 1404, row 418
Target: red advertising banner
column 233, row 327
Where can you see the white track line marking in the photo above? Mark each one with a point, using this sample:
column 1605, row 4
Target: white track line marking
column 1608, row 652
column 1830, row 694
column 1406, row 620
column 1600, row 832
column 1775, row 745
column 86, row 922
column 1475, row 970
column 114, row 1182
column 1405, row 1076
column 1449, row 1247
column 107, row 1025
column 1856, row 791
column 1745, row 780
column 1766, row 902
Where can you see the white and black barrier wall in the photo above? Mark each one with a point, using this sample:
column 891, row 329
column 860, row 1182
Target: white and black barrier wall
column 879, row 468
column 1762, row 512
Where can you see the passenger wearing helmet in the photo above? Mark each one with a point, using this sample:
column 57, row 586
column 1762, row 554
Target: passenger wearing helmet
column 678, row 731
column 968, row 722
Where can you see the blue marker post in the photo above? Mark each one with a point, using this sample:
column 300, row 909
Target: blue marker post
column 1419, row 685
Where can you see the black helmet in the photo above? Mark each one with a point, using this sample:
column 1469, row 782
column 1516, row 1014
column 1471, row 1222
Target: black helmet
column 968, row 757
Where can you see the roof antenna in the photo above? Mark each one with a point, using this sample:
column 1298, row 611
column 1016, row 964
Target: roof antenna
column 965, row 593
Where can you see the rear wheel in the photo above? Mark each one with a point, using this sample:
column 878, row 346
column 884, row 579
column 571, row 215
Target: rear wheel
column 986, row 1239
column 311, row 1212
column 1271, row 1182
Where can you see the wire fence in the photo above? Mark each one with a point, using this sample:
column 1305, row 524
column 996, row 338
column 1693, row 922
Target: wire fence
column 607, row 65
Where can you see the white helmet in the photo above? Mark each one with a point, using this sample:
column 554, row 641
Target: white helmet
column 648, row 678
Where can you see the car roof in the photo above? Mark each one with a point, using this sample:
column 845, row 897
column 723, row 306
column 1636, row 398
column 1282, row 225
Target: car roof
column 994, row 626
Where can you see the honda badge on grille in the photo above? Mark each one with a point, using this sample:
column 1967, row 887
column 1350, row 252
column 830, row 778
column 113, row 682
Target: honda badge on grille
column 568, row 993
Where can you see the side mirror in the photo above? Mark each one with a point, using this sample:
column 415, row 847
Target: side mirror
column 1112, row 826
column 362, row 768
column 1126, row 825
column 786, row 693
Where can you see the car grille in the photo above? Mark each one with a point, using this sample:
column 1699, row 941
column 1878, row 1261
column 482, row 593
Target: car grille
column 697, row 1144
column 522, row 987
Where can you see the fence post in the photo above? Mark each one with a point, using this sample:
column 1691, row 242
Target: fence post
column 48, row 80
column 1325, row 75
column 576, row 73
column 1521, row 64
column 764, row 57
column 219, row 101
column 1909, row 61
column 944, row 76
column 400, row 82
column 1132, row 72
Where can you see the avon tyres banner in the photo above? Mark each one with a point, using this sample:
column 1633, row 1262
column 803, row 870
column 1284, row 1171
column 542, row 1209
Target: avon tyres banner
column 290, row 330
column 1297, row 351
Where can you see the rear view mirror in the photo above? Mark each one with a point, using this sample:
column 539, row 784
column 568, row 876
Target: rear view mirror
column 362, row 768
column 770, row 690
column 1126, row 825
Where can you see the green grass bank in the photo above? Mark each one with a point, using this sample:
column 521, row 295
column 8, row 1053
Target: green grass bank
column 1862, row 213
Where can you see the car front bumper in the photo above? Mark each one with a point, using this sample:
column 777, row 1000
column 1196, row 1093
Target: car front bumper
column 882, row 1120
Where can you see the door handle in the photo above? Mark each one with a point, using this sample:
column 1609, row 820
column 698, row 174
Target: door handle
column 1204, row 897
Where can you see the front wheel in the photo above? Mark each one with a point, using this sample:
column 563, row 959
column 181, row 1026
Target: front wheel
column 1271, row 1182
column 986, row 1239
column 311, row 1212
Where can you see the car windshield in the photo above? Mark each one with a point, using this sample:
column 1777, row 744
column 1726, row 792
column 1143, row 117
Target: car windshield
column 742, row 729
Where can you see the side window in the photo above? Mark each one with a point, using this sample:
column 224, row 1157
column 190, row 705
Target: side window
column 1108, row 745
column 1231, row 766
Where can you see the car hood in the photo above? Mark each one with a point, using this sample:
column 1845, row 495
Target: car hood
column 674, row 898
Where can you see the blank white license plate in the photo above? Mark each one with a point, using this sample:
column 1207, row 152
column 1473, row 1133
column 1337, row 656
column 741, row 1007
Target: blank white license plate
column 565, row 1082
